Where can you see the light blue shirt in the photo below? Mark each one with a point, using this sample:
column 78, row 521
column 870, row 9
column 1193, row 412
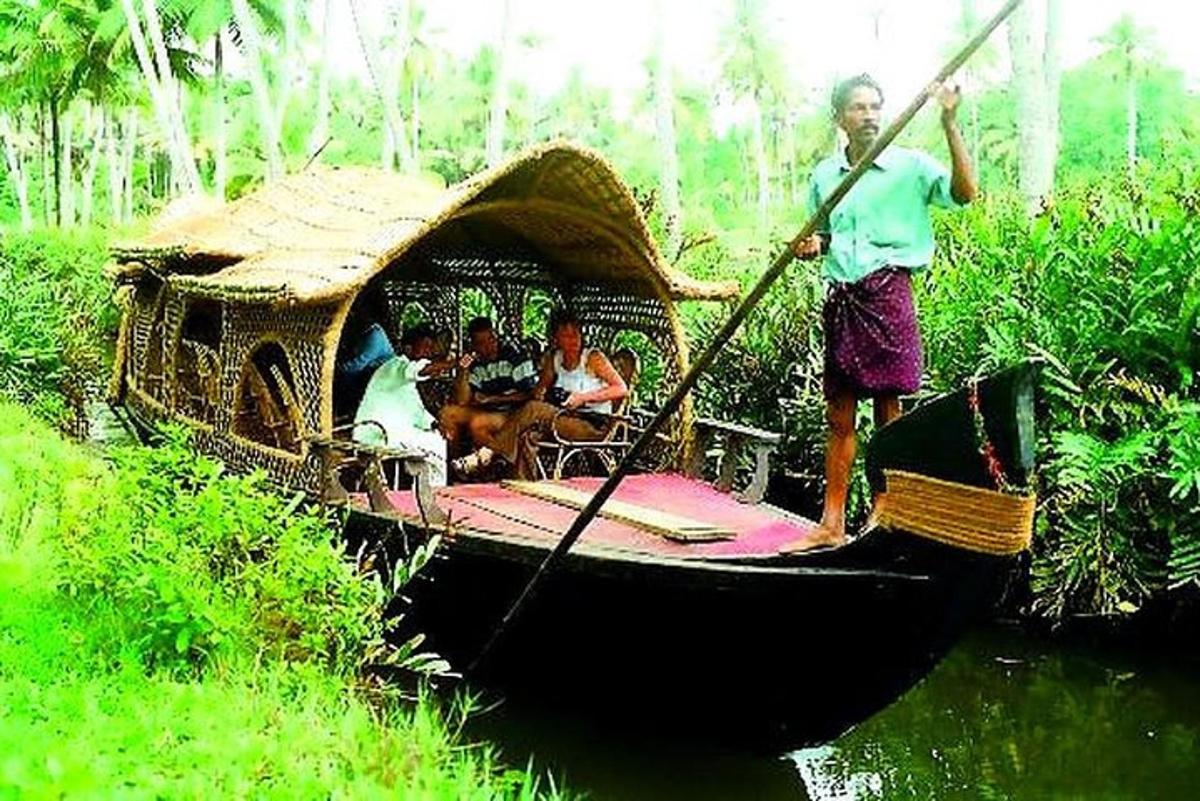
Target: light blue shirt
column 884, row 219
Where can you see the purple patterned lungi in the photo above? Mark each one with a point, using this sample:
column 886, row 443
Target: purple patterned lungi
column 872, row 344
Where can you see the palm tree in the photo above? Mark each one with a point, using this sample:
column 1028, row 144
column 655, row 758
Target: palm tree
column 1128, row 50
column 420, row 62
column 664, row 119
column 39, row 52
column 385, row 79
column 752, row 70
column 966, row 25
column 14, row 154
column 320, row 131
column 498, row 108
column 270, row 116
column 161, row 74
column 218, row 22
column 1036, row 73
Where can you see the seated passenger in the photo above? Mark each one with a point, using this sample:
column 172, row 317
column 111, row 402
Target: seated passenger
column 365, row 347
column 572, row 377
column 492, row 379
column 391, row 399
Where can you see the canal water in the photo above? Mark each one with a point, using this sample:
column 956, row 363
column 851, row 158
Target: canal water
column 1007, row 715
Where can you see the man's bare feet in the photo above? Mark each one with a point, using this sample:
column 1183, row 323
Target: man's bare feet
column 826, row 535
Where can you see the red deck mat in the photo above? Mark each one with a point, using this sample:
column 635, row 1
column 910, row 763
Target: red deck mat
column 490, row 507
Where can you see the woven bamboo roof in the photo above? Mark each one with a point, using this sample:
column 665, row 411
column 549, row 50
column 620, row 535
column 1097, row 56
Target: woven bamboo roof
column 320, row 235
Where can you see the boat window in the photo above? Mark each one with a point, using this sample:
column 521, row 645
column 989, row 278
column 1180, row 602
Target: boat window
column 198, row 363
column 267, row 410
column 476, row 303
column 413, row 313
column 536, row 313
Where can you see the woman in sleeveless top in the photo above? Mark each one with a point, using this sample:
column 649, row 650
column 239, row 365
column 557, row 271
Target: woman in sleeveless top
column 572, row 377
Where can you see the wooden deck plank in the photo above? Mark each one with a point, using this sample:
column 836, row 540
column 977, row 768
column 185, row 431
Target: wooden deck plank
column 665, row 524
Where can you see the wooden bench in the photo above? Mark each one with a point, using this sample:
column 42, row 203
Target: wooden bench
column 734, row 439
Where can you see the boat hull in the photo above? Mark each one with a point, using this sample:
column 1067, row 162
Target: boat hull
column 775, row 654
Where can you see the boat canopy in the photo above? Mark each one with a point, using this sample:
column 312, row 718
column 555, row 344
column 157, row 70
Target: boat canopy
column 557, row 212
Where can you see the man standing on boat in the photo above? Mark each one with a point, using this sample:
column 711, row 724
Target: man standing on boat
column 873, row 241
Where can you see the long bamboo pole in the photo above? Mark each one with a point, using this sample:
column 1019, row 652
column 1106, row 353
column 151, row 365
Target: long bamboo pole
column 727, row 331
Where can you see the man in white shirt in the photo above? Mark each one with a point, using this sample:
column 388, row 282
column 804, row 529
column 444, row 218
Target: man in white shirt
column 391, row 399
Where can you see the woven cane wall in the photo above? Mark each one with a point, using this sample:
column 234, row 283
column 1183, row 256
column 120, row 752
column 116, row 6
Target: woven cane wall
column 300, row 332
column 164, row 374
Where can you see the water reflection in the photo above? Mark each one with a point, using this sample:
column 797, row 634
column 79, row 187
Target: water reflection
column 1005, row 716
column 999, row 719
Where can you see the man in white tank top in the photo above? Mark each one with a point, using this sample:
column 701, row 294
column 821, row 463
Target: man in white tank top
column 571, row 377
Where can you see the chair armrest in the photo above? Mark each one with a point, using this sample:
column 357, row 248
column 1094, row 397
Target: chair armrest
column 349, row 428
column 740, row 431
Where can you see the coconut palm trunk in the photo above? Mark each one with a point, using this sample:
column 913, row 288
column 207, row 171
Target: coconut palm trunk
column 1131, row 113
column 130, row 152
column 15, row 161
column 668, row 156
column 268, row 120
column 498, row 109
column 320, row 129
column 66, row 174
column 221, row 136
column 163, row 93
column 386, row 89
column 758, row 143
column 98, row 134
column 1036, row 132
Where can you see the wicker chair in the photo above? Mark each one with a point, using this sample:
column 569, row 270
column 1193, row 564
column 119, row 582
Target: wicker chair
column 554, row 455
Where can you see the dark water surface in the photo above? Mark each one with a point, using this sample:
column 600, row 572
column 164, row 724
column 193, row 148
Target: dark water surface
column 1007, row 715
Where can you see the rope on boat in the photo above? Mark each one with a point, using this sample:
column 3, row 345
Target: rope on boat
column 961, row 515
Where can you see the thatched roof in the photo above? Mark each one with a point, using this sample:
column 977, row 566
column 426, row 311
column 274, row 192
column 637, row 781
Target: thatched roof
column 322, row 234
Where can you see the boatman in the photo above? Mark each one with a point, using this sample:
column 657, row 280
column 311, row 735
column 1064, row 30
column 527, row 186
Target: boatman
column 873, row 241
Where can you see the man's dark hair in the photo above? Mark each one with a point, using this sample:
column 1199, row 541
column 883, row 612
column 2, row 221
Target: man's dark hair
column 415, row 333
column 561, row 317
column 478, row 325
column 841, row 92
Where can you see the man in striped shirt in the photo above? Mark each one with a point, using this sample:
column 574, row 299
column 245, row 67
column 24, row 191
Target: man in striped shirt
column 492, row 380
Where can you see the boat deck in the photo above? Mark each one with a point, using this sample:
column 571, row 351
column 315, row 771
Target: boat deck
column 497, row 510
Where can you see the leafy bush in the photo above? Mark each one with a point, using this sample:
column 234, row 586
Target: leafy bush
column 191, row 565
column 57, row 324
column 1105, row 288
column 167, row 630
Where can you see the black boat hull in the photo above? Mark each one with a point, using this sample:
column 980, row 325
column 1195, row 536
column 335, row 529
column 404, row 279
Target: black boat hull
column 771, row 655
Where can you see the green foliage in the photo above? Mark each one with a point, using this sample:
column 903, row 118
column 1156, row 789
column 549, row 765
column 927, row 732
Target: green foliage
column 188, row 566
column 169, row 631
column 1104, row 289
column 56, row 322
